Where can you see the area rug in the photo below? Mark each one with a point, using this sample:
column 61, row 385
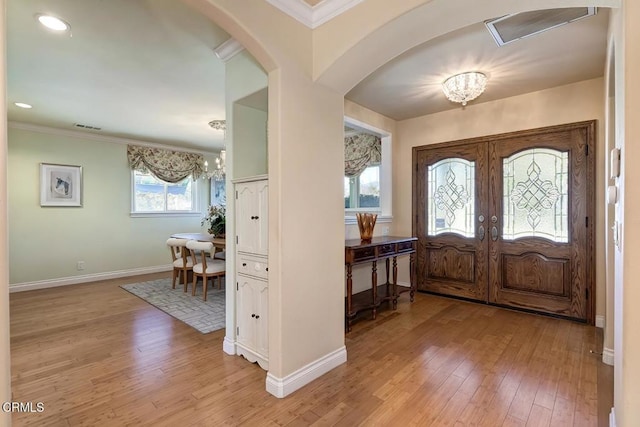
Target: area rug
column 204, row 316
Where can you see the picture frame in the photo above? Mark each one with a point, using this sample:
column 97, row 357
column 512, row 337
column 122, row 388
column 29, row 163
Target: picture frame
column 218, row 192
column 60, row 185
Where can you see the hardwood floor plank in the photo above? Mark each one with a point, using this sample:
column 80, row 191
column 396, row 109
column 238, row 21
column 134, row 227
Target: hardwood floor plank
column 97, row 355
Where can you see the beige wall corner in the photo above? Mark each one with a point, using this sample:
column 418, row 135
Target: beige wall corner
column 627, row 351
column 306, row 231
column 272, row 37
column 5, row 356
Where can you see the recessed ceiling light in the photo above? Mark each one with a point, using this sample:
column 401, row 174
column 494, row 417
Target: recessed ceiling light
column 22, row 105
column 52, row 23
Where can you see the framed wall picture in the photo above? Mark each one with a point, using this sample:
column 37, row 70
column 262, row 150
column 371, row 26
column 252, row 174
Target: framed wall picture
column 218, row 192
column 60, row 185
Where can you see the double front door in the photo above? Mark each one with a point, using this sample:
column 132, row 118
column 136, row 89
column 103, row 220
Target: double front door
column 508, row 219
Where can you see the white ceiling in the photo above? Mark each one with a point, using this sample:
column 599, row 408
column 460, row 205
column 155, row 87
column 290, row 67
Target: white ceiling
column 141, row 69
column 411, row 85
column 145, row 69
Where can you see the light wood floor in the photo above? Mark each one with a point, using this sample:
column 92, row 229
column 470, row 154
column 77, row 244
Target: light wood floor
column 96, row 355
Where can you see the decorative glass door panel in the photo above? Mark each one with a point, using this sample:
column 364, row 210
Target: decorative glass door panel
column 535, row 192
column 452, row 197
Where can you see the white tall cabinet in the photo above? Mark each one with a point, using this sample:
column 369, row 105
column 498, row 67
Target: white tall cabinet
column 252, row 269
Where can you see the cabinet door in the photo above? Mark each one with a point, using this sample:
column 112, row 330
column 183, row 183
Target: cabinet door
column 246, row 224
column 261, row 298
column 244, row 310
column 262, row 222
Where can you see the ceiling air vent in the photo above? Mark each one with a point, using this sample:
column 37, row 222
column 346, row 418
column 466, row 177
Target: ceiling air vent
column 86, row 127
column 510, row 28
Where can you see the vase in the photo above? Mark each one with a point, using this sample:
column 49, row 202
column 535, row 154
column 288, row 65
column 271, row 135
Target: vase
column 366, row 223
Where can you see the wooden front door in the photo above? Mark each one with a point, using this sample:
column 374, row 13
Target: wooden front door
column 508, row 219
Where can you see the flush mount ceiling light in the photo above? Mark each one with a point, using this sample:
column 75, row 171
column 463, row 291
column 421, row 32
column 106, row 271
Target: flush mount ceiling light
column 22, row 105
column 52, row 22
column 464, row 87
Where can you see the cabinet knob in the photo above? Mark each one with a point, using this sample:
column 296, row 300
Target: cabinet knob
column 266, row 269
column 244, row 264
column 254, row 217
column 257, row 316
column 253, row 315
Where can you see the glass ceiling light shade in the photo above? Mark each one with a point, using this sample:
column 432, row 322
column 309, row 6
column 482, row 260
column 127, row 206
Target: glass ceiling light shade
column 220, row 171
column 464, row 87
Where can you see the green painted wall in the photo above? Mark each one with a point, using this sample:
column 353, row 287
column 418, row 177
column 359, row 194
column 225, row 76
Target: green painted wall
column 249, row 141
column 47, row 242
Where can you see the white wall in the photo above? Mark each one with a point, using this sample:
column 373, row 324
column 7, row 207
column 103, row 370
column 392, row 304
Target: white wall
column 249, row 141
column 564, row 104
column 45, row 243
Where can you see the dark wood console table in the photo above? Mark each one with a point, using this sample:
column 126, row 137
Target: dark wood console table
column 383, row 247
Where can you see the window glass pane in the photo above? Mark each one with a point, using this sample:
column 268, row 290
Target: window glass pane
column 535, row 195
column 179, row 195
column 154, row 195
column 369, row 182
column 347, row 192
column 451, row 201
column 148, row 193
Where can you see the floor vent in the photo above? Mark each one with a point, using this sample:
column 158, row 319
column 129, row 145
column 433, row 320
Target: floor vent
column 86, row 127
column 517, row 26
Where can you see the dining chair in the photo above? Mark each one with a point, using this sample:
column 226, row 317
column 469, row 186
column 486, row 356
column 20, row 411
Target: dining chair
column 182, row 263
column 206, row 267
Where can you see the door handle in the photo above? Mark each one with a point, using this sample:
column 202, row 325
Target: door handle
column 481, row 233
column 494, row 233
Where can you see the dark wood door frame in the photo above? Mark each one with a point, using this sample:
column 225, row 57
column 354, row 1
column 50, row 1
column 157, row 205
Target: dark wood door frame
column 589, row 128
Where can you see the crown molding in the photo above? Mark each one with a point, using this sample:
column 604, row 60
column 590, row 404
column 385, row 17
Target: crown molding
column 228, row 49
column 99, row 138
column 313, row 17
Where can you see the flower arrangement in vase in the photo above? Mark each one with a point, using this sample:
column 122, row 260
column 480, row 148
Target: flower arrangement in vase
column 215, row 220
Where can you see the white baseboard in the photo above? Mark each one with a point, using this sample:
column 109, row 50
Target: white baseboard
column 229, row 346
column 599, row 321
column 63, row 281
column 607, row 356
column 612, row 418
column 282, row 387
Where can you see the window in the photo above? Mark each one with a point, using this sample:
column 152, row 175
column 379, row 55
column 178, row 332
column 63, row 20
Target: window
column 370, row 190
column 363, row 191
column 151, row 195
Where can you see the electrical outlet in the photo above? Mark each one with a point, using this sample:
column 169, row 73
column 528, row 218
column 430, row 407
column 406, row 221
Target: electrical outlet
column 80, row 265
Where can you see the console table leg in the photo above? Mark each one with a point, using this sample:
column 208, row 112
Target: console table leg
column 374, row 288
column 349, row 297
column 395, row 282
column 412, row 274
column 386, row 263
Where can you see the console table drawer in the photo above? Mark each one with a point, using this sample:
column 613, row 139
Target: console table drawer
column 364, row 254
column 405, row 246
column 387, row 249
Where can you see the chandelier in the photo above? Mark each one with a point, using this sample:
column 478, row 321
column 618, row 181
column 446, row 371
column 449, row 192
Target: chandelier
column 464, row 87
column 220, row 171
